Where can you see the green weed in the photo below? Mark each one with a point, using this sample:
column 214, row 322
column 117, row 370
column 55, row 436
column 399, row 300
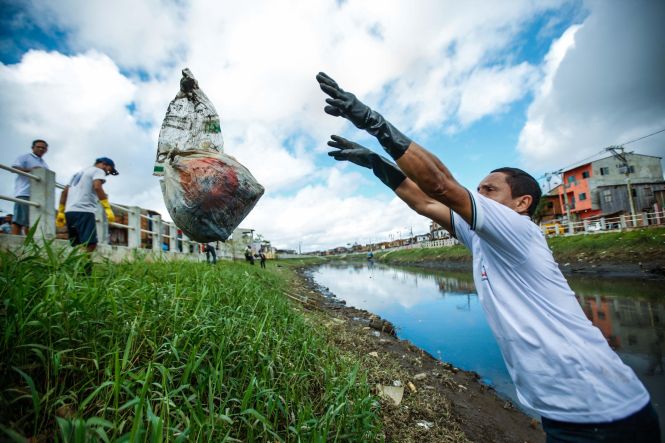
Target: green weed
column 170, row 351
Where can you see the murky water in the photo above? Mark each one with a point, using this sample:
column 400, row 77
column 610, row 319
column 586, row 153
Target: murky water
column 439, row 311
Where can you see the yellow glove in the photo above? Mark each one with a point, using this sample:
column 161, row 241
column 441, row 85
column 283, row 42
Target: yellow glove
column 107, row 208
column 60, row 218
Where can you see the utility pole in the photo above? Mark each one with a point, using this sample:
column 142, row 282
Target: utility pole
column 618, row 153
column 564, row 185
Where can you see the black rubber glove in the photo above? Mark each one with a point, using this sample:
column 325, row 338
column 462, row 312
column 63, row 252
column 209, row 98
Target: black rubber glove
column 386, row 171
column 344, row 104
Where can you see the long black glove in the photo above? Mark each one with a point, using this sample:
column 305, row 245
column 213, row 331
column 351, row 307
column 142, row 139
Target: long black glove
column 344, row 104
column 387, row 172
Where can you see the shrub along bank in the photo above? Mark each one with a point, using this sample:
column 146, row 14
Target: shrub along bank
column 167, row 351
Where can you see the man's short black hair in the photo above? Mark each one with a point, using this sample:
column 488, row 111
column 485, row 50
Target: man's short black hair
column 521, row 184
column 34, row 142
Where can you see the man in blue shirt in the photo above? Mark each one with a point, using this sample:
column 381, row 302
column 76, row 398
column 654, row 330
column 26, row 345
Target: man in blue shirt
column 26, row 163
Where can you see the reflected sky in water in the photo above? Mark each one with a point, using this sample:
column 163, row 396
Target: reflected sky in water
column 440, row 312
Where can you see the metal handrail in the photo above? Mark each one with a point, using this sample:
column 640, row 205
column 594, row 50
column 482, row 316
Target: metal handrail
column 18, row 171
column 18, row 200
column 120, row 225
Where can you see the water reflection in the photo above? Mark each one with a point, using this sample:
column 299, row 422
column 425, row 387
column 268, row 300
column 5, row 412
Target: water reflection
column 440, row 312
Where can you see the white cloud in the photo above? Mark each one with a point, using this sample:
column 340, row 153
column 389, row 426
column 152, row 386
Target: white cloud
column 143, row 35
column 78, row 104
column 332, row 214
column 603, row 85
column 489, row 91
column 440, row 64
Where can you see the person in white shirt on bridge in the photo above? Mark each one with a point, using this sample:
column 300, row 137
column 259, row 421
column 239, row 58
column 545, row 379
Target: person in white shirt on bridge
column 26, row 163
column 78, row 203
column 560, row 363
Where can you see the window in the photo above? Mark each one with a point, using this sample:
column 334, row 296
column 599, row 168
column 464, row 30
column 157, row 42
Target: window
column 571, row 179
column 605, row 171
column 550, row 205
column 585, row 174
column 582, row 196
column 633, row 191
column 631, row 169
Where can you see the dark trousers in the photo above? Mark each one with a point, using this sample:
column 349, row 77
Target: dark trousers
column 640, row 427
column 210, row 252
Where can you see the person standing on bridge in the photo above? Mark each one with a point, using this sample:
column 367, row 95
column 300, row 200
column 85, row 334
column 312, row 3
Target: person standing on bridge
column 78, row 203
column 561, row 364
column 26, row 163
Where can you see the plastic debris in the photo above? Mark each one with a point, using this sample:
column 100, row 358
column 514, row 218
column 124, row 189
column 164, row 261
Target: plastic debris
column 394, row 393
column 424, row 424
column 207, row 192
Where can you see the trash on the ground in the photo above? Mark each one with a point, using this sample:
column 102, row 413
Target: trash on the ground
column 420, row 376
column 207, row 192
column 394, row 393
column 376, row 333
column 397, row 383
column 374, row 354
column 412, row 387
column 424, row 424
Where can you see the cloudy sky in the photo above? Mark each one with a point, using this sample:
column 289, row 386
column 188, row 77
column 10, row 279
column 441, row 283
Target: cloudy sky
column 482, row 84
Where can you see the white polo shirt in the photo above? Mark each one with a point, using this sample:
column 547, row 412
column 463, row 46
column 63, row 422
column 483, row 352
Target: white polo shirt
column 560, row 363
column 26, row 161
column 81, row 197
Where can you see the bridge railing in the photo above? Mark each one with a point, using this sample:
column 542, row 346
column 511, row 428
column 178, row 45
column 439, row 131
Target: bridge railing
column 139, row 234
column 603, row 224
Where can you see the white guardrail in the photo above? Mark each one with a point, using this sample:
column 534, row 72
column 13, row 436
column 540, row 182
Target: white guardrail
column 42, row 210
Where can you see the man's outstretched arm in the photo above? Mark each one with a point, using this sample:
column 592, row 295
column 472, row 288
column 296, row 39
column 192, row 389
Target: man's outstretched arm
column 434, row 179
column 407, row 190
column 422, row 167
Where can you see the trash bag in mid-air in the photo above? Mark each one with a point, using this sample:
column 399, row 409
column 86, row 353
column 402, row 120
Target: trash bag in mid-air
column 207, row 193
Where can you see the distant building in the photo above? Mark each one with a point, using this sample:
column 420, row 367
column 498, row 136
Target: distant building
column 594, row 189
column 437, row 232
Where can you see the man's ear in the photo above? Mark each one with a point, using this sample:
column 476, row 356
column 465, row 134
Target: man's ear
column 523, row 204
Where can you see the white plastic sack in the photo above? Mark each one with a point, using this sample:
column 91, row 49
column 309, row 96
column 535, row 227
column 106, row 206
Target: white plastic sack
column 207, row 193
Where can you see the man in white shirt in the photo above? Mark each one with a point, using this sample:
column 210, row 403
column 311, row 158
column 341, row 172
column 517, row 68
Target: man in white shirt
column 561, row 364
column 78, row 203
column 26, row 163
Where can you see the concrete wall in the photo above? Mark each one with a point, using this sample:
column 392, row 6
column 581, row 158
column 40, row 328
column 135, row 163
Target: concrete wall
column 112, row 253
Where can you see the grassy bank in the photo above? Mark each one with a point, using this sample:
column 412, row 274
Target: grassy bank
column 167, row 351
column 630, row 247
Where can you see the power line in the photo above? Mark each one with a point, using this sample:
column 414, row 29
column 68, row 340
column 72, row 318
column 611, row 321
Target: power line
column 558, row 171
column 640, row 138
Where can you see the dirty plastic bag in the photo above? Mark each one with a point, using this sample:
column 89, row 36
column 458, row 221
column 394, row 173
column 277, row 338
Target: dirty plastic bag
column 207, row 192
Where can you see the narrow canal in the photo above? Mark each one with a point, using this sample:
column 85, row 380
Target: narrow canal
column 439, row 312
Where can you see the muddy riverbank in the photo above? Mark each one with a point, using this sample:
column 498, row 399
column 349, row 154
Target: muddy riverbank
column 440, row 402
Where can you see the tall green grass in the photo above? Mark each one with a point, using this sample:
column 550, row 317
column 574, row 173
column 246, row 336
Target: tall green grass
column 170, row 351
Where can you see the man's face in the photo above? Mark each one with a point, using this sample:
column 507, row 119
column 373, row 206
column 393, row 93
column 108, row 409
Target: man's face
column 39, row 149
column 495, row 187
column 106, row 168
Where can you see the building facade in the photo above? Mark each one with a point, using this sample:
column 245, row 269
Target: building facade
column 599, row 188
